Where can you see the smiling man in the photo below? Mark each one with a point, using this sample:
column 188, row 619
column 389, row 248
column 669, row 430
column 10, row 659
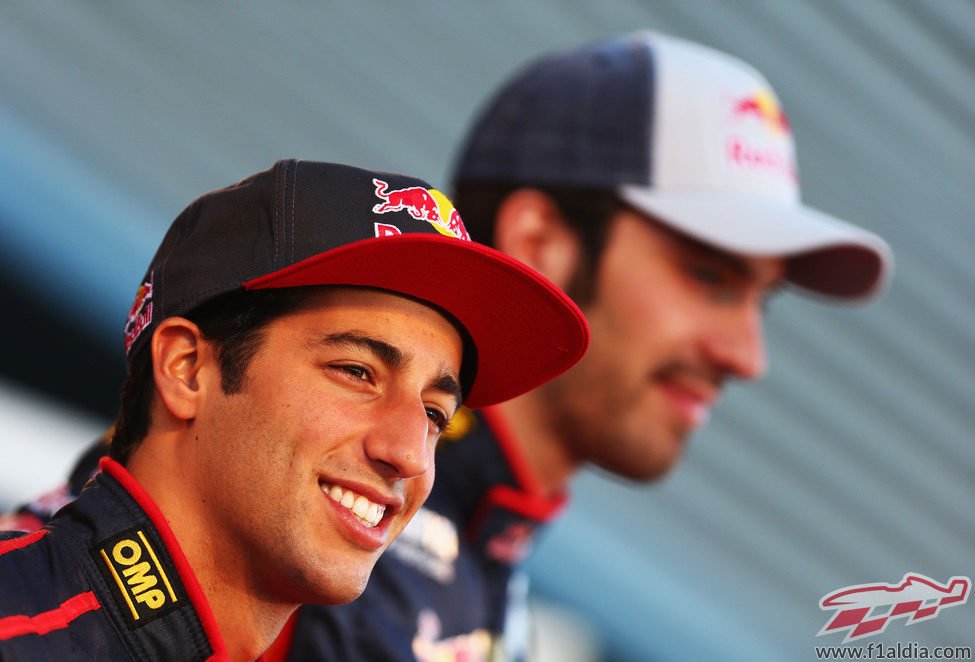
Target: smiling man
column 295, row 350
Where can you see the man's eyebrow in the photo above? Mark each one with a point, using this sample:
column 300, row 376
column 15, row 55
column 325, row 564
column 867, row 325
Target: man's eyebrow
column 388, row 354
column 391, row 356
column 703, row 250
column 448, row 384
column 735, row 263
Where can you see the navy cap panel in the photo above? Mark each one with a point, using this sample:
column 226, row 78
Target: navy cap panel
column 213, row 245
column 293, row 211
column 320, row 217
column 583, row 118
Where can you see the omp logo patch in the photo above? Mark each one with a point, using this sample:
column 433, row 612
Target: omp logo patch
column 136, row 577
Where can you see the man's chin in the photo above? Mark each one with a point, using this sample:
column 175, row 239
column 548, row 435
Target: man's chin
column 656, row 472
column 338, row 587
column 336, row 595
column 648, row 466
column 641, row 471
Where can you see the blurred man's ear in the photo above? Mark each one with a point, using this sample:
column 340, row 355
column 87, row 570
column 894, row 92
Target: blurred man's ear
column 178, row 355
column 530, row 227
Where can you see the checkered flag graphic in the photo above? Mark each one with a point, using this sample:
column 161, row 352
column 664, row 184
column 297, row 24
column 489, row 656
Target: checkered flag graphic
column 867, row 609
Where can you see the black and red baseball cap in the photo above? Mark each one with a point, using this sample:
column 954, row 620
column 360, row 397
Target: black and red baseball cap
column 310, row 223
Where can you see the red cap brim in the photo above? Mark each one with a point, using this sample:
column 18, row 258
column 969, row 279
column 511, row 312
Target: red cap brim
column 525, row 329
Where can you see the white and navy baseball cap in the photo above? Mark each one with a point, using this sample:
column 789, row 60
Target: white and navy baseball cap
column 310, row 223
column 686, row 134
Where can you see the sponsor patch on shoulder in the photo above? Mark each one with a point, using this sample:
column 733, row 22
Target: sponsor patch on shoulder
column 430, row 544
column 140, row 583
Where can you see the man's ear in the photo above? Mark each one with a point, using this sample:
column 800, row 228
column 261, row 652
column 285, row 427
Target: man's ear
column 530, row 227
column 179, row 354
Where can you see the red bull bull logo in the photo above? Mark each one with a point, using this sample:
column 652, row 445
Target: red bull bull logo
column 429, row 205
column 764, row 107
column 866, row 609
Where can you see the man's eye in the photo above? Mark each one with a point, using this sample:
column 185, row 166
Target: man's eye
column 704, row 274
column 355, row 371
column 722, row 287
column 438, row 418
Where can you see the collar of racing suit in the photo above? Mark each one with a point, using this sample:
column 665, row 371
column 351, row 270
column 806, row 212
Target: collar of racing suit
column 485, row 482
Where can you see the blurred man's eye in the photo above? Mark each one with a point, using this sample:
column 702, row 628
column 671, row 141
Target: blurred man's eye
column 721, row 284
column 705, row 274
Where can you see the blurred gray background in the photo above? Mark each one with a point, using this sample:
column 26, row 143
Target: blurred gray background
column 851, row 463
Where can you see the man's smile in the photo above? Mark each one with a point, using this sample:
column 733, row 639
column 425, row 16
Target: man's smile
column 369, row 512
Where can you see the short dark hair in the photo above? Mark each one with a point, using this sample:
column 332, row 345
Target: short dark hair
column 234, row 324
column 587, row 211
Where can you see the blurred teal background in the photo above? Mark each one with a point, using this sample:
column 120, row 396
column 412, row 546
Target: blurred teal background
column 852, row 463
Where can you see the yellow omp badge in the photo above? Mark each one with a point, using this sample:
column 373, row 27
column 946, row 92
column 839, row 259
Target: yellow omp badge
column 138, row 581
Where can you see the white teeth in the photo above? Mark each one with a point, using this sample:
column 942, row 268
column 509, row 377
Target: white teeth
column 368, row 512
column 361, row 506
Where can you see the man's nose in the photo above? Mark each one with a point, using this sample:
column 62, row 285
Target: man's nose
column 400, row 439
column 736, row 342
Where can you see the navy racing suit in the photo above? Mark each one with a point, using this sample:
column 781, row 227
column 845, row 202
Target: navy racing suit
column 103, row 580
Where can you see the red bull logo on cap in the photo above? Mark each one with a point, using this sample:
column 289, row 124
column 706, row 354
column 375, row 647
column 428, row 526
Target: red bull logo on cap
column 765, row 107
column 140, row 316
column 759, row 138
column 429, row 205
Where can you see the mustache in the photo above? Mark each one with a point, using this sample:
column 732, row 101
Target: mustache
column 687, row 370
